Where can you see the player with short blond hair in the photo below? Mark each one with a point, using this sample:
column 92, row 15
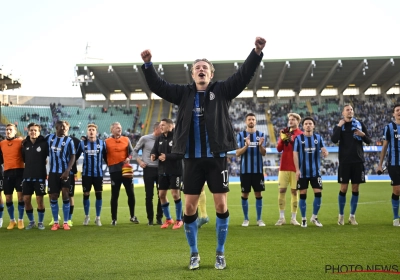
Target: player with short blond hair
column 287, row 170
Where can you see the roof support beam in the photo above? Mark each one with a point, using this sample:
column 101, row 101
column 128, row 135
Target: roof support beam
column 187, row 73
column 328, row 76
column 143, row 83
column 306, row 74
column 258, row 77
column 364, row 86
column 351, row 77
column 105, row 91
column 281, row 78
column 389, row 83
column 6, row 81
column 83, row 91
column 122, row 85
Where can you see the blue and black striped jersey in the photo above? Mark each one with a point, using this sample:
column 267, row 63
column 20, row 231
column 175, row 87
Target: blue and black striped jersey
column 391, row 135
column 93, row 152
column 309, row 153
column 251, row 160
column 60, row 151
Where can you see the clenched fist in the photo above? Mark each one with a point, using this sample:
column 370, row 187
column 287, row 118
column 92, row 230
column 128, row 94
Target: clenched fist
column 146, row 56
column 260, row 44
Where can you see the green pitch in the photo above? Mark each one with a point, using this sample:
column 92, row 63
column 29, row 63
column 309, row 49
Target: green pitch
column 130, row 251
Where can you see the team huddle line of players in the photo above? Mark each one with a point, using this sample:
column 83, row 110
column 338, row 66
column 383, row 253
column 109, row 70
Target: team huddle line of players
column 25, row 161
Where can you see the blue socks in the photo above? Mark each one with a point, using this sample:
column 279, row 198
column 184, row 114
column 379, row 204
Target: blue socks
column 86, row 204
column 1, row 210
column 21, row 209
column 54, row 210
column 191, row 232
column 40, row 215
column 29, row 213
column 245, row 207
column 342, row 202
column 66, row 210
column 395, row 206
column 303, row 206
column 317, row 203
column 71, row 211
column 178, row 209
column 10, row 210
column 259, row 205
column 353, row 203
column 165, row 208
column 99, row 202
column 190, row 225
column 222, row 231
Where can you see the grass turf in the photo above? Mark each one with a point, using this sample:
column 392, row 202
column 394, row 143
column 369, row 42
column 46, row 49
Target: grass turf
column 130, row 251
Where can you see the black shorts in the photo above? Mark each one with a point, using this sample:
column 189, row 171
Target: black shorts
column 89, row 181
column 169, row 182
column 71, row 185
column 56, row 184
column 315, row 182
column 12, row 182
column 394, row 173
column 255, row 180
column 214, row 171
column 29, row 187
column 354, row 172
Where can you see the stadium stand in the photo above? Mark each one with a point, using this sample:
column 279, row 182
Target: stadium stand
column 78, row 118
column 21, row 116
column 374, row 111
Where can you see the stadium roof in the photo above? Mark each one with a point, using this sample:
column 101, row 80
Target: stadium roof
column 7, row 82
column 273, row 75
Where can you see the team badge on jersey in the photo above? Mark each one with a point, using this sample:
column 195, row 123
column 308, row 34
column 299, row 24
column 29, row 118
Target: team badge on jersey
column 38, row 149
column 170, row 143
column 212, row 96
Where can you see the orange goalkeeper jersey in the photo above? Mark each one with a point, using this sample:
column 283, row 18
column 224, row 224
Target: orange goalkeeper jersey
column 12, row 153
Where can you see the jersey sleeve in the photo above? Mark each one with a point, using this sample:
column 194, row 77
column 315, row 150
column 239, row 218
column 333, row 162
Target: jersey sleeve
column 296, row 145
column 265, row 139
column 71, row 147
column 79, row 149
column 386, row 133
column 239, row 138
column 322, row 142
column 138, row 147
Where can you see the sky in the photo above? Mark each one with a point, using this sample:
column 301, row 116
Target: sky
column 43, row 40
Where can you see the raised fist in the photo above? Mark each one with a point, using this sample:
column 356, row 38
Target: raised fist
column 146, row 55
